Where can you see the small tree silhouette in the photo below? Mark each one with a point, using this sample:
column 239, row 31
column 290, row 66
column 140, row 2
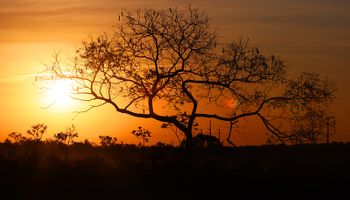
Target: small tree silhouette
column 17, row 137
column 66, row 138
column 60, row 137
column 143, row 134
column 206, row 141
column 37, row 131
column 106, row 140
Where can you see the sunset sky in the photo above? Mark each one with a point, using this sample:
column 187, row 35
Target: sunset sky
column 309, row 35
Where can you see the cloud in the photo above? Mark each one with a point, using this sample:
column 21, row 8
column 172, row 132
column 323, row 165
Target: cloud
column 47, row 20
column 19, row 78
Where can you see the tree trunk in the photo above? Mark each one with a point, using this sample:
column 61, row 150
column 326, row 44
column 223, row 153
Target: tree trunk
column 188, row 140
column 188, row 151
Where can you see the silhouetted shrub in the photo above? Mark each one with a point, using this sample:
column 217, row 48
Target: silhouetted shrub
column 106, row 140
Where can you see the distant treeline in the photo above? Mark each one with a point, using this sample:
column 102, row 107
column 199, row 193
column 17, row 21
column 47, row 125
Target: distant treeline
column 40, row 169
column 67, row 137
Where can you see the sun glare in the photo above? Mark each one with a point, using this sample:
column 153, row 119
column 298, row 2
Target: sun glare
column 59, row 93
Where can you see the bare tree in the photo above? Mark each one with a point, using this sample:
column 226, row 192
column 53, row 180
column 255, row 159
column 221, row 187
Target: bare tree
column 168, row 65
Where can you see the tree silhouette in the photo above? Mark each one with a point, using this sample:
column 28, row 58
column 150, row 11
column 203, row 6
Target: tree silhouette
column 168, row 65
column 35, row 134
column 37, row 131
column 60, row 137
column 206, row 141
column 17, row 137
column 106, row 140
column 66, row 137
column 142, row 133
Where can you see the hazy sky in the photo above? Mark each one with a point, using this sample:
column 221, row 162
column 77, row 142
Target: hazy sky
column 309, row 35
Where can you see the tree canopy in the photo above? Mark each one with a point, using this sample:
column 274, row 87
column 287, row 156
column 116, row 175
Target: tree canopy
column 169, row 64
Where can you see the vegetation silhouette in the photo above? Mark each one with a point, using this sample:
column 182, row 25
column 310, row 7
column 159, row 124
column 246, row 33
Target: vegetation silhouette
column 41, row 169
column 37, row 131
column 66, row 138
column 159, row 171
column 106, row 140
column 205, row 141
column 143, row 134
column 168, row 65
column 34, row 134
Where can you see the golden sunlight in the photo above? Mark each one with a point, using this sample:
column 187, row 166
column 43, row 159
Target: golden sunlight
column 58, row 94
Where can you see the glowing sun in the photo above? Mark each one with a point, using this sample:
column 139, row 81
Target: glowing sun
column 59, row 93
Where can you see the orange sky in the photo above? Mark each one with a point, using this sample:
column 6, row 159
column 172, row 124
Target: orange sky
column 310, row 35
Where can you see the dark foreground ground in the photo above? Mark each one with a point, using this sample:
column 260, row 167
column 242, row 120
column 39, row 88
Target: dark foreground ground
column 48, row 171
